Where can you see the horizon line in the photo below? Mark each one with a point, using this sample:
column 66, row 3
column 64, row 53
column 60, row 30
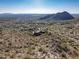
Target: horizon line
column 34, row 13
column 37, row 12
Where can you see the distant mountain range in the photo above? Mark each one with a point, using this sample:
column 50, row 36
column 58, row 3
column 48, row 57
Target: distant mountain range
column 41, row 17
column 58, row 16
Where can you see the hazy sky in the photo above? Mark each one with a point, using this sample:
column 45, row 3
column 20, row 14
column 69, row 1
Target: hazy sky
column 39, row 6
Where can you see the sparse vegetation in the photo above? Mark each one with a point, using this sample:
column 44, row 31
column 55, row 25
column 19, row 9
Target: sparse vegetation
column 58, row 40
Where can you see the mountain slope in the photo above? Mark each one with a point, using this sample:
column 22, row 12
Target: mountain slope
column 60, row 40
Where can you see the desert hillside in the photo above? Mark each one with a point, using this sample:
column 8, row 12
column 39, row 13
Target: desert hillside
column 55, row 40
